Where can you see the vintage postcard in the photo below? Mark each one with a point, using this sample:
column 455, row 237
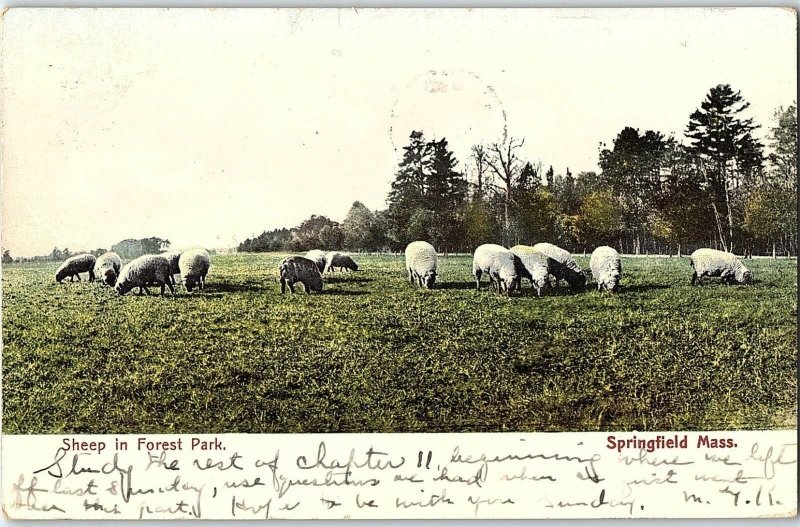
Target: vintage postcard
column 399, row 263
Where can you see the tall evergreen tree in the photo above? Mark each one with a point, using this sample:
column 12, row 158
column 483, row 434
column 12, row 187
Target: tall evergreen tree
column 722, row 138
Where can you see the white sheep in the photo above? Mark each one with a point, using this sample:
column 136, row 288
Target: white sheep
column 73, row 266
column 421, row 263
column 501, row 266
column 150, row 269
column 343, row 261
column 566, row 267
column 318, row 257
column 537, row 267
column 107, row 267
column 606, row 268
column 710, row 262
column 194, row 265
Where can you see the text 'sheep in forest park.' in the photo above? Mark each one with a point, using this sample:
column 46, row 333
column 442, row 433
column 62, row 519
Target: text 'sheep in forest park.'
column 401, row 475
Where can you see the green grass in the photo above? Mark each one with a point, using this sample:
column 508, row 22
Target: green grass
column 374, row 354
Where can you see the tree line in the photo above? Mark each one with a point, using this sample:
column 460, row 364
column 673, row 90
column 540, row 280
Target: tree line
column 127, row 249
column 652, row 194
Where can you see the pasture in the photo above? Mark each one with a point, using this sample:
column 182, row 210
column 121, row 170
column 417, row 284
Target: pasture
column 373, row 353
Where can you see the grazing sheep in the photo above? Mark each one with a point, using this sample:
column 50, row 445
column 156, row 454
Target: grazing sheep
column 298, row 269
column 107, row 267
column 73, row 266
column 194, row 265
column 537, row 267
column 421, row 263
column 343, row 261
column 173, row 257
column 500, row 264
column 606, row 268
column 150, row 269
column 318, row 257
column 710, row 262
column 566, row 267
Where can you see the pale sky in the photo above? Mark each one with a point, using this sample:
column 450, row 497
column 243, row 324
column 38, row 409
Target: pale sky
column 209, row 126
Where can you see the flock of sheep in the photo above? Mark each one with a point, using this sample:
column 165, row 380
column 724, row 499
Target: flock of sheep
column 144, row 271
column 544, row 265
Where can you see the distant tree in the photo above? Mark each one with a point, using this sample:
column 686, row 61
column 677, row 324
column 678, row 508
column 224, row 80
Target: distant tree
column 783, row 140
column 505, row 165
column 771, row 216
column 537, row 217
column 480, row 224
column 529, row 179
column 274, row 240
column 309, row 234
column 478, row 157
column 599, row 220
column 7, row 256
column 722, row 139
column 360, row 228
column 550, row 176
column 331, row 237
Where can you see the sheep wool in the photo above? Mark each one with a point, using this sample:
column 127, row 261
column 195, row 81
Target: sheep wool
column 566, row 267
column 343, row 261
column 318, row 257
column 710, row 262
column 150, row 269
column 193, row 266
column 107, row 267
column 421, row 263
column 499, row 264
column 173, row 257
column 606, row 268
column 73, row 266
column 537, row 267
column 298, row 269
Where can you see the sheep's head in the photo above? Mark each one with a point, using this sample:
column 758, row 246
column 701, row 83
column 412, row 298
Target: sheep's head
column 189, row 282
column 352, row 265
column 60, row 275
column 110, row 277
column 315, row 283
column 744, row 276
column 430, row 279
column 123, row 287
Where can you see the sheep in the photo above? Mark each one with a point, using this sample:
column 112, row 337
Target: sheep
column 537, row 267
column 710, row 262
column 566, row 267
column 73, row 266
column 107, row 268
column 500, row 264
column 194, row 265
column 606, row 268
column 421, row 263
column 341, row 260
column 318, row 257
column 150, row 269
column 298, row 269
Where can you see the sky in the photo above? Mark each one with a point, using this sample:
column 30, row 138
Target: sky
column 207, row 127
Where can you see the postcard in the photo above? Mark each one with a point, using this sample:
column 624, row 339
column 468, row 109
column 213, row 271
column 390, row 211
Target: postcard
column 398, row 263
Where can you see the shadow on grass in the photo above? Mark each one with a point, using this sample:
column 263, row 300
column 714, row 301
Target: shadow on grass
column 345, row 279
column 639, row 288
column 340, row 292
column 237, row 288
column 454, row 285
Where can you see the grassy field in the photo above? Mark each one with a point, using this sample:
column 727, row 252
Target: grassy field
column 374, row 354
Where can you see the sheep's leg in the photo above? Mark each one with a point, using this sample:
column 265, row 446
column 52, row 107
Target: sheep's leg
column 171, row 287
column 306, row 288
column 291, row 287
column 283, row 286
column 91, row 275
column 694, row 278
column 477, row 274
column 411, row 276
column 162, row 288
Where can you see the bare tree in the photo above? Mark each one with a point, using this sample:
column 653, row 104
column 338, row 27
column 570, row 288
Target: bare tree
column 503, row 161
column 479, row 157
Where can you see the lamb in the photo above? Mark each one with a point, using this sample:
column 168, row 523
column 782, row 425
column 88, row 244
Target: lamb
column 107, row 267
column 194, row 265
column 318, row 257
column 537, row 267
column 710, row 262
column 298, row 269
column 73, row 266
column 606, row 268
column 143, row 271
column 341, row 260
column 421, row 263
column 566, row 267
column 501, row 266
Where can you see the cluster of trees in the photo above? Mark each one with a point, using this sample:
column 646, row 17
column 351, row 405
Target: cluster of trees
column 127, row 249
column 652, row 194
